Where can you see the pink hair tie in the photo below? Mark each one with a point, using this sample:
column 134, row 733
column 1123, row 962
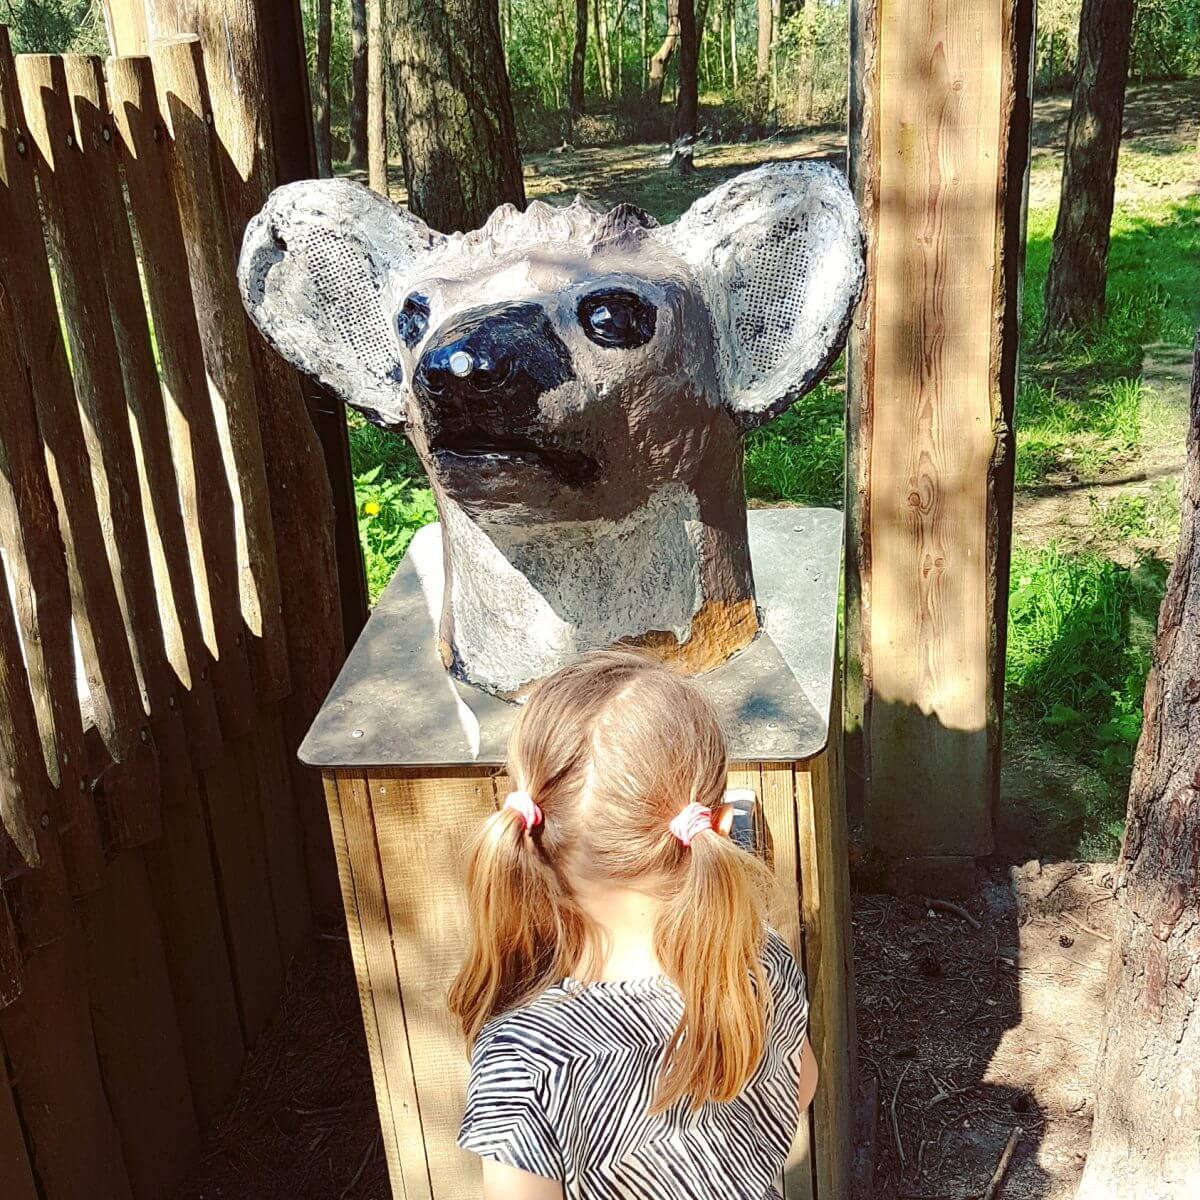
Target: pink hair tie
column 522, row 803
column 692, row 819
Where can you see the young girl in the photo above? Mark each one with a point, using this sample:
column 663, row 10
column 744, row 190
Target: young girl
column 636, row 1030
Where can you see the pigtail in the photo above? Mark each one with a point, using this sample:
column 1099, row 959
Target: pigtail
column 709, row 940
column 525, row 929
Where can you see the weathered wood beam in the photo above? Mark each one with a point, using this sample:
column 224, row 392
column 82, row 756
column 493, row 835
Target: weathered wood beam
column 939, row 153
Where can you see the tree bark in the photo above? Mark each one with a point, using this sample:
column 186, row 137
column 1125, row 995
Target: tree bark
column 376, row 106
column 1146, row 1135
column 645, row 56
column 1079, row 260
column 658, row 63
column 733, row 51
column 764, row 37
column 321, row 98
column 686, row 104
column 603, row 61
column 358, row 85
column 578, row 58
column 454, row 111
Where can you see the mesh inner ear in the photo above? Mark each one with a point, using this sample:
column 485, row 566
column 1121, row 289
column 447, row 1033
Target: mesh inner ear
column 769, row 299
column 346, row 296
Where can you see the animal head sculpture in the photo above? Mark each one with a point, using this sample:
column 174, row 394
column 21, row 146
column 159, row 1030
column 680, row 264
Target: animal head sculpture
column 577, row 385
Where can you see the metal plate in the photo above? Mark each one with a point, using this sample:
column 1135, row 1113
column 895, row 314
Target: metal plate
column 394, row 705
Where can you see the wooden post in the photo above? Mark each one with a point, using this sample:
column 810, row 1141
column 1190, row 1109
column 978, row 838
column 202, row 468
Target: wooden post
column 939, row 151
column 184, row 97
column 207, row 499
column 287, row 96
column 300, row 498
column 108, row 661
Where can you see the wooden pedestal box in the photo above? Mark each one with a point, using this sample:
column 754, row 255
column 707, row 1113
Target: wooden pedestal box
column 412, row 762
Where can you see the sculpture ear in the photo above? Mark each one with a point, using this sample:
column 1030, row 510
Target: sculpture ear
column 319, row 269
column 778, row 254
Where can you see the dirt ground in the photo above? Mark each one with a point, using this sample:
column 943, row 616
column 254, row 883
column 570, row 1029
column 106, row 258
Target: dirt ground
column 977, row 1033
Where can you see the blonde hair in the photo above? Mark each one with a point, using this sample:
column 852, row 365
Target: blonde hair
column 611, row 748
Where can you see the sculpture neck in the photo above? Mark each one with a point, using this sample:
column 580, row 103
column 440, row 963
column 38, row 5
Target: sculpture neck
column 520, row 600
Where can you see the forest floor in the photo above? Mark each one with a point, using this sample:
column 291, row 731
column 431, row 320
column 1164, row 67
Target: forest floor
column 971, row 1032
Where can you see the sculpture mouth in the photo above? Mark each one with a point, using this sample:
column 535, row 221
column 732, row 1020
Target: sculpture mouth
column 485, row 459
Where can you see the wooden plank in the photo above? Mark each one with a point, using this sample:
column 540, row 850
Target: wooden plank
column 180, row 870
column 243, row 884
column 284, row 834
column 940, row 159
column 369, row 933
column 72, row 1139
column 26, row 276
column 181, row 678
column 777, row 795
column 10, row 957
column 778, row 799
column 97, row 604
column 33, row 545
column 207, row 502
column 422, row 823
column 137, row 1034
column 222, row 323
column 16, row 1175
column 83, row 234
column 37, row 892
column 824, row 862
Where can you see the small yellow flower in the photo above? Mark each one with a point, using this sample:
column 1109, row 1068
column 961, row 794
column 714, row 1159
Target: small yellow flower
column 371, row 508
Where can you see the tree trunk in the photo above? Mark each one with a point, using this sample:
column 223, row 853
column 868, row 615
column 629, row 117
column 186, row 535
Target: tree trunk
column 578, row 58
column 687, row 100
column 321, row 98
column 658, row 64
column 358, row 85
column 376, row 106
column 1146, row 1135
column 719, row 30
column 764, row 37
column 454, row 111
column 645, row 57
column 603, row 63
column 733, row 57
column 1079, row 260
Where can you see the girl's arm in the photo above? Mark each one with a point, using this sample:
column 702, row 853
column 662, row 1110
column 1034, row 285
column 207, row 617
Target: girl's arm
column 501, row 1182
column 808, row 1089
column 808, row 1075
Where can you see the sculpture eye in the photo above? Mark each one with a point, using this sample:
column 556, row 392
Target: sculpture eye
column 412, row 320
column 617, row 319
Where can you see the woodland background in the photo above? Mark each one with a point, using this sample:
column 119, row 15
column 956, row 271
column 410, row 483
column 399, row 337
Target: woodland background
column 807, row 60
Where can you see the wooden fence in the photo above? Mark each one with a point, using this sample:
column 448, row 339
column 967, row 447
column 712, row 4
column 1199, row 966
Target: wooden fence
column 168, row 624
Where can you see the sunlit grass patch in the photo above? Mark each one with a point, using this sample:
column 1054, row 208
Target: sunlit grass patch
column 800, row 457
column 392, row 497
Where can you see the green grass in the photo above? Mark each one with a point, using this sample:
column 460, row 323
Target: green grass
column 1080, row 632
column 801, row 456
column 393, row 499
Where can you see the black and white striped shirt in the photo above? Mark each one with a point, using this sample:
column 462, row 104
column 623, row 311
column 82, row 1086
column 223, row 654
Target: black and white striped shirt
column 561, row 1087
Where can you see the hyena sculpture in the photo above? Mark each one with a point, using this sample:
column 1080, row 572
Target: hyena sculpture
column 577, row 385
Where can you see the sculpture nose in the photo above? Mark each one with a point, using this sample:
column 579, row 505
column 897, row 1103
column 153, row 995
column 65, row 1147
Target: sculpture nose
column 464, row 366
column 483, row 373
